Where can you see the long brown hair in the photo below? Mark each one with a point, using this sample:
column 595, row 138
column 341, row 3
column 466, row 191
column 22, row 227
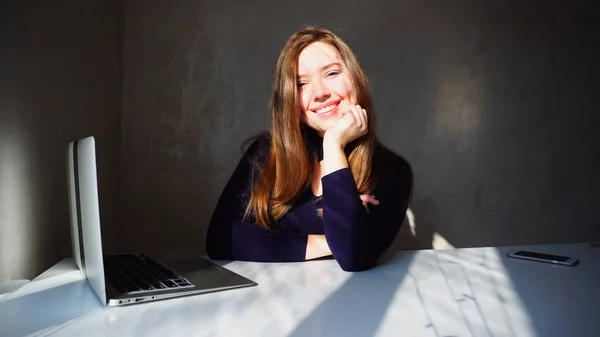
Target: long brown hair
column 289, row 165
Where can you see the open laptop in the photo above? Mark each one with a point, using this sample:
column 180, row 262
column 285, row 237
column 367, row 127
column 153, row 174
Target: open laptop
column 123, row 279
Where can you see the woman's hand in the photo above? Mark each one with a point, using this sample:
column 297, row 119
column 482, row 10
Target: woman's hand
column 368, row 199
column 353, row 124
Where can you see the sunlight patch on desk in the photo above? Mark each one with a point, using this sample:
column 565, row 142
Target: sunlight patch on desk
column 288, row 293
column 357, row 306
column 454, row 295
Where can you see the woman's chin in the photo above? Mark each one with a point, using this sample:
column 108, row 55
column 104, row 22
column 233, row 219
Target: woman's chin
column 322, row 127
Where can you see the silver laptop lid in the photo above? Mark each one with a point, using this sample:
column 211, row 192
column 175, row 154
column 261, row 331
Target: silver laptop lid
column 85, row 213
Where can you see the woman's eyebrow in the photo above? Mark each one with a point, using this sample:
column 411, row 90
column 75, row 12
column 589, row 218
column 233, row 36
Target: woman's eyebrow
column 330, row 65
column 325, row 67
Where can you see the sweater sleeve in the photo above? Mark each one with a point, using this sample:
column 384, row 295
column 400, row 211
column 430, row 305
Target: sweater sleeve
column 230, row 238
column 358, row 238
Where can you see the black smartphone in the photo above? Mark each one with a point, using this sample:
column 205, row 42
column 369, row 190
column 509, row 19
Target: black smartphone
column 541, row 257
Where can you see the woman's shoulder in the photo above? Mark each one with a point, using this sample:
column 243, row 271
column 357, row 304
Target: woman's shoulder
column 256, row 148
column 394, row 168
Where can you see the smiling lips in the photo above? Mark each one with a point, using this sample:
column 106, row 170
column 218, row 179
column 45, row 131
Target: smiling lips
column 326, row 109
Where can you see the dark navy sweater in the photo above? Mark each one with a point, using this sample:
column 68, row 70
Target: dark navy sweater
column 357, row 238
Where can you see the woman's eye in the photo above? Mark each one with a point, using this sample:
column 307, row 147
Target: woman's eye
column 333, row 73
column 300, row 85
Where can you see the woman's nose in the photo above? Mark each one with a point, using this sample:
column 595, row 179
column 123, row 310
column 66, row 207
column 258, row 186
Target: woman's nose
column 320, row 90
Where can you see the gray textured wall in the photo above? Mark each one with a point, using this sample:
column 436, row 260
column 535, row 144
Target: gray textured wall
column 493, row 103
column 61, row 79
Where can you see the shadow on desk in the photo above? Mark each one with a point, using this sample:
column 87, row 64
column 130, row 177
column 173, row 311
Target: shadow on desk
column 27, row 314
column 559, row 300
column 359, row 305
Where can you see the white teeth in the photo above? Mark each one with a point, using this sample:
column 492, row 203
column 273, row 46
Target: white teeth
column 326, row 109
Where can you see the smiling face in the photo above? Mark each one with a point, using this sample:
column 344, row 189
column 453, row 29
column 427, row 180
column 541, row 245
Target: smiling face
column 325, row 86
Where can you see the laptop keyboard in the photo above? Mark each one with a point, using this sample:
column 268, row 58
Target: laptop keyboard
column 131, row 273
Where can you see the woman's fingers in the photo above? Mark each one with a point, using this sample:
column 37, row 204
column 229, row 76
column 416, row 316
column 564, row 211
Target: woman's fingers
column 352, row 125
column 357, row 116
column 368, row 199
column 361, row 117
column 365, row 120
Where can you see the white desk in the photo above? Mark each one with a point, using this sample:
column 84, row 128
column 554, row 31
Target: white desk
column 462, row 292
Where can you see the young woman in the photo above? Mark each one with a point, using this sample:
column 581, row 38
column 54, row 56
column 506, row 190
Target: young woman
column 318, row 183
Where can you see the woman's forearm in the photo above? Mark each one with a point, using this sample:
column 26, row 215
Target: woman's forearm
column 316, row 246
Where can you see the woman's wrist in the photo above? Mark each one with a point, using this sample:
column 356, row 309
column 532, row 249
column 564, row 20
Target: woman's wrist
column 334, row 157
column 332, row 141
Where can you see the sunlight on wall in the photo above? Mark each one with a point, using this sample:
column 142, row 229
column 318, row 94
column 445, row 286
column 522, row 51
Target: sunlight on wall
column 438, row 242
column 458, row 104
column 17, row 202
column 410, row 215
